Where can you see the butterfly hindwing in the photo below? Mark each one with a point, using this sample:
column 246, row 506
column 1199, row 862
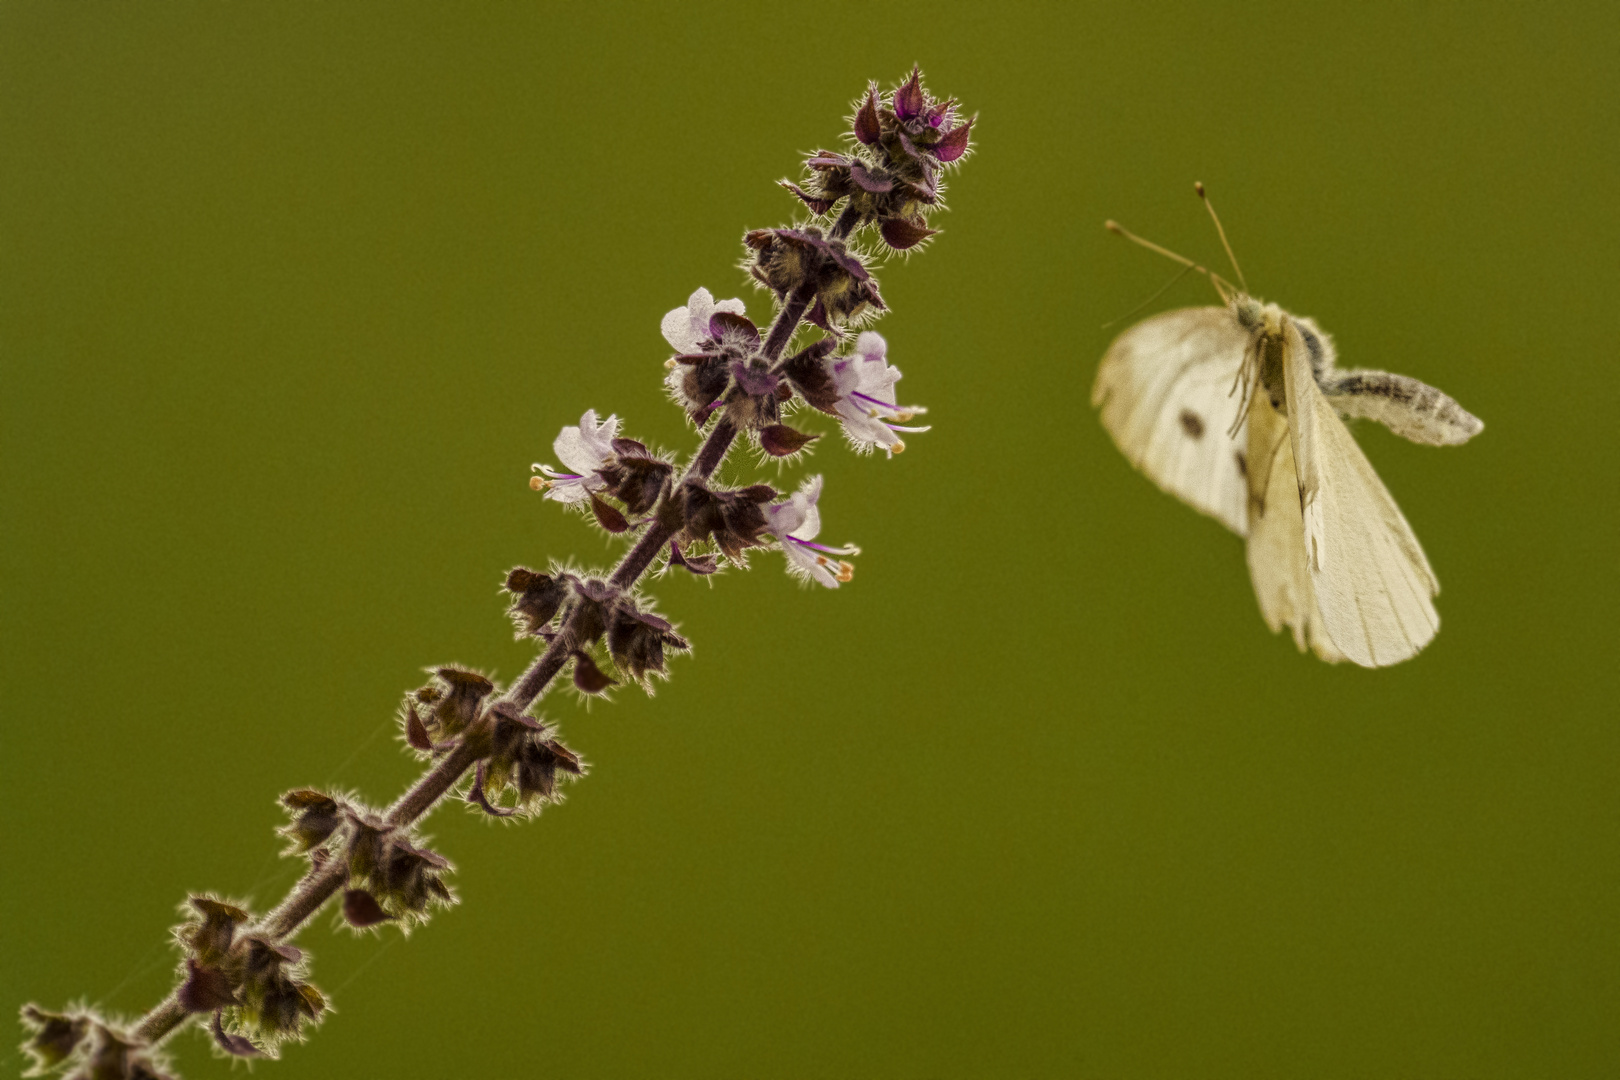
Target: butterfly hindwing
column 1368, row 572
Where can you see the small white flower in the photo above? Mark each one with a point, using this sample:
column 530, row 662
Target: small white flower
column 687, row 328
column 583, row 449
column 795, row 524
column 866, row 403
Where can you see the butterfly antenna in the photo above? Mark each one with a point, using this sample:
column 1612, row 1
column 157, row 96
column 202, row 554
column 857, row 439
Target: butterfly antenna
column 1214, row 279
column 1162, row 290
column 1202, row 194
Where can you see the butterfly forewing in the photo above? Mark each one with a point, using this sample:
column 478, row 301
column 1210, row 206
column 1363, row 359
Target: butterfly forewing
column 1165, row 388
column 1276, row 549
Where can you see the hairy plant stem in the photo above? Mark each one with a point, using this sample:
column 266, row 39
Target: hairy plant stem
column 322, row 883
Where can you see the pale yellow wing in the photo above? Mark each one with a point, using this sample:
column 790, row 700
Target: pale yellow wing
column 1282, row 583
column 1367, row 570
column 1165, row 391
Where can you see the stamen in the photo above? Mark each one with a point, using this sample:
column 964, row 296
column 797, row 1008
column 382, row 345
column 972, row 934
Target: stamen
column 899, row 447
column 538, row 484
column 846, row 572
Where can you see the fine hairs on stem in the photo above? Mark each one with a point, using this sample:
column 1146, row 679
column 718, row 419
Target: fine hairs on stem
column 239, row 976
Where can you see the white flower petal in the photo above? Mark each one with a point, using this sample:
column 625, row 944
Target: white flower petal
column 677, row 329
column 871, row 347
column 585, row 448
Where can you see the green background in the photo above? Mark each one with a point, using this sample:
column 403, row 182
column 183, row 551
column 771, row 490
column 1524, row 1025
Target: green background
column 291, row 297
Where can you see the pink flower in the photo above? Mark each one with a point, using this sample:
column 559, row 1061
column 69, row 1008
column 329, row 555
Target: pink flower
column 585, row 450
column 795, row 524
column 687, row 328
column 866, row 401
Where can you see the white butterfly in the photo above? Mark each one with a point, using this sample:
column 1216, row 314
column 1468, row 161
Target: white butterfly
column 1236, row 411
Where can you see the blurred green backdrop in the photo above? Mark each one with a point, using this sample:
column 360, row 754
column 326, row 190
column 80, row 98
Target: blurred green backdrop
column 291, row 296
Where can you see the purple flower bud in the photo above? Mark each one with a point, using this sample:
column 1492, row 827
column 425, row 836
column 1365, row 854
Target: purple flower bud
column 779, row 440
column 867, row 128
column 635, row 477
column 416, row 733
column 588, row 678
column 274, row 999
column 909, row 100
column 892, row 176
column 361, row 910
column 732, row 519
column 807, row 372
column 607, row 517
column 901, row 233
column 702, row 375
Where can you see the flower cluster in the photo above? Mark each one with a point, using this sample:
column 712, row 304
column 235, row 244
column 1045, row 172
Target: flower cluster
column 254, row 987
column 891, row 176
column 481, row 744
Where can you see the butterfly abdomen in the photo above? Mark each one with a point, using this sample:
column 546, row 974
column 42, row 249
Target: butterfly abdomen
column 1410, row 408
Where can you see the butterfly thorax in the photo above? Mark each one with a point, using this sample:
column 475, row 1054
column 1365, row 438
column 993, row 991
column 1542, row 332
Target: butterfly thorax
column 1267, row 327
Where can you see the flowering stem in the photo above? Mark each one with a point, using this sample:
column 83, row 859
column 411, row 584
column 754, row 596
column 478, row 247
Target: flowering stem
column 912, row 111
column 316, row 888
column 787, row 321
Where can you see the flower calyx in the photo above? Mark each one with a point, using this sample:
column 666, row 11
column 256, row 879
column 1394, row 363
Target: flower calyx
column 402, row 879
column 732, row 519
column 525, row 759
column 53, row 1038
column 315, row 817
column 788, row 260
column 252, row 979
column 636, row 640
column 433, row 716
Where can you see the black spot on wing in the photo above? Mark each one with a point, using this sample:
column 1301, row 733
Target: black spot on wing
column 1192, row 424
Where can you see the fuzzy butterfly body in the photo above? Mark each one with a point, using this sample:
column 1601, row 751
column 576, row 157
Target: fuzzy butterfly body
column 1236, row 410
